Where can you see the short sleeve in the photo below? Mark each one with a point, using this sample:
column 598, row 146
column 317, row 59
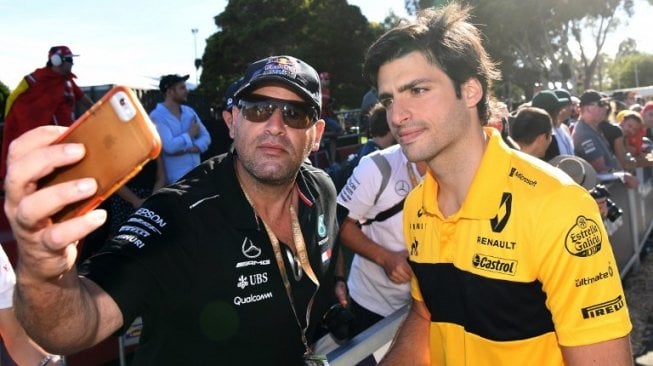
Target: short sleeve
column 7, row 281
column 579, row 273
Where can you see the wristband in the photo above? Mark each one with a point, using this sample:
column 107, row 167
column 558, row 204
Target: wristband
column 56, row 360
column 45, row 360
column 340, row 279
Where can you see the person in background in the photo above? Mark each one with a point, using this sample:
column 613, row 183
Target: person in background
column 589, row 143
column 493, row 253
column 183, row 135
column 531, row 130
column 574, row 112
column 220, row 140
column 647, row 118
column 22, row 349
column 564, row 115
column 613, row 134
column 230, row 101
column 380, row 136
column 631, row 98
column 369, row 100
column 553, row 104
column 47, row 96
column 634, row 132
column 325, row 88
column 499, row 115
column 240, row 256
column 332, row 129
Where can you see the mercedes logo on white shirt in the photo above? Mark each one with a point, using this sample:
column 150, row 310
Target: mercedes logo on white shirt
column 402, row 188
column 249, row 249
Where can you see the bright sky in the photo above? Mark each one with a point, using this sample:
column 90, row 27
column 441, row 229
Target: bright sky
column 134, row 42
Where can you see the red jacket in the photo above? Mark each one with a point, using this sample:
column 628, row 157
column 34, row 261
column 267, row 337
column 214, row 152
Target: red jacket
column 49, row 99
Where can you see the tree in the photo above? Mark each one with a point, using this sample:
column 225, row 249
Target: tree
column 601, row 21
column 535, row 41
column 631, row 70
column 331, row 35
column 627, row 47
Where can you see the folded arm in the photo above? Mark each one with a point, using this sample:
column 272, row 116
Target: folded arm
column 395, row 264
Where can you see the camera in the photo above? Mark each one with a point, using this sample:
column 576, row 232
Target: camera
column 339, row 320
column 614, row 212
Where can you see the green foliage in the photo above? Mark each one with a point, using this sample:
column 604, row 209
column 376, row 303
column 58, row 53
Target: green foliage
column 631, row 70
column 545, row 34
column 331, row 35
column 4, row 94
column 627, row 47
column 531, row 38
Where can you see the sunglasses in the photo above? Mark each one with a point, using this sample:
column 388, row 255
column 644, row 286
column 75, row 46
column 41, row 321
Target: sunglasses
column 67, row 59
column 294, row 114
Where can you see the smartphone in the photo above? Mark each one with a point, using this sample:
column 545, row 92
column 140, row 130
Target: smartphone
column 119, row 138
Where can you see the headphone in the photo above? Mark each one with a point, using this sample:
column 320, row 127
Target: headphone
column 55, row 59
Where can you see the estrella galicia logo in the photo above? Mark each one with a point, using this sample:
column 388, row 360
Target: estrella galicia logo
column 494, row 264
column 604, row 308
column 321, row 227
column 250, row 250
column 498, row 223
column 584, row 239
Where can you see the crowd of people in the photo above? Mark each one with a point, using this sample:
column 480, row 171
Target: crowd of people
column 452, row 210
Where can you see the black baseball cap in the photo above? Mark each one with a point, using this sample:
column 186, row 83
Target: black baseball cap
column 287, row 70
column 592, row 96
column 170, row 80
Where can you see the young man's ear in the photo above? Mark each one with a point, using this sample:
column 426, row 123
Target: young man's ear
column 320, row 125
column 472, row 92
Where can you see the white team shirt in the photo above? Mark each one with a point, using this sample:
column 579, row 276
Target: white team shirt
column 7, row 281
column 368, row 284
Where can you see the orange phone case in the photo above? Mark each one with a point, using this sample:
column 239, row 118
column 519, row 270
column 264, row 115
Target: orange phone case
column 119, row 139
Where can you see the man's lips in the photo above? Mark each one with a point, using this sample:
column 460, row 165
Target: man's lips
column 409, row 135
column 273, row 148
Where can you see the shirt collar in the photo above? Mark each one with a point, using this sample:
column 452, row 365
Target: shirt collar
column 487, row 187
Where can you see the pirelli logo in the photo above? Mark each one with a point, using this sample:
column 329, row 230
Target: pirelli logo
column 603, row 308
column 494, row 264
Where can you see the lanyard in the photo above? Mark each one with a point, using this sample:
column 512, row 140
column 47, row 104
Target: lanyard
column 411, row 174
column 300, row 246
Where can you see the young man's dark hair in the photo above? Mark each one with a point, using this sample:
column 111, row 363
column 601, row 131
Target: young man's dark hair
column 447, row 41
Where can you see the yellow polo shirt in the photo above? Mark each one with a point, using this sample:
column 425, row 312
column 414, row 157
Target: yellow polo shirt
column 523, row 266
